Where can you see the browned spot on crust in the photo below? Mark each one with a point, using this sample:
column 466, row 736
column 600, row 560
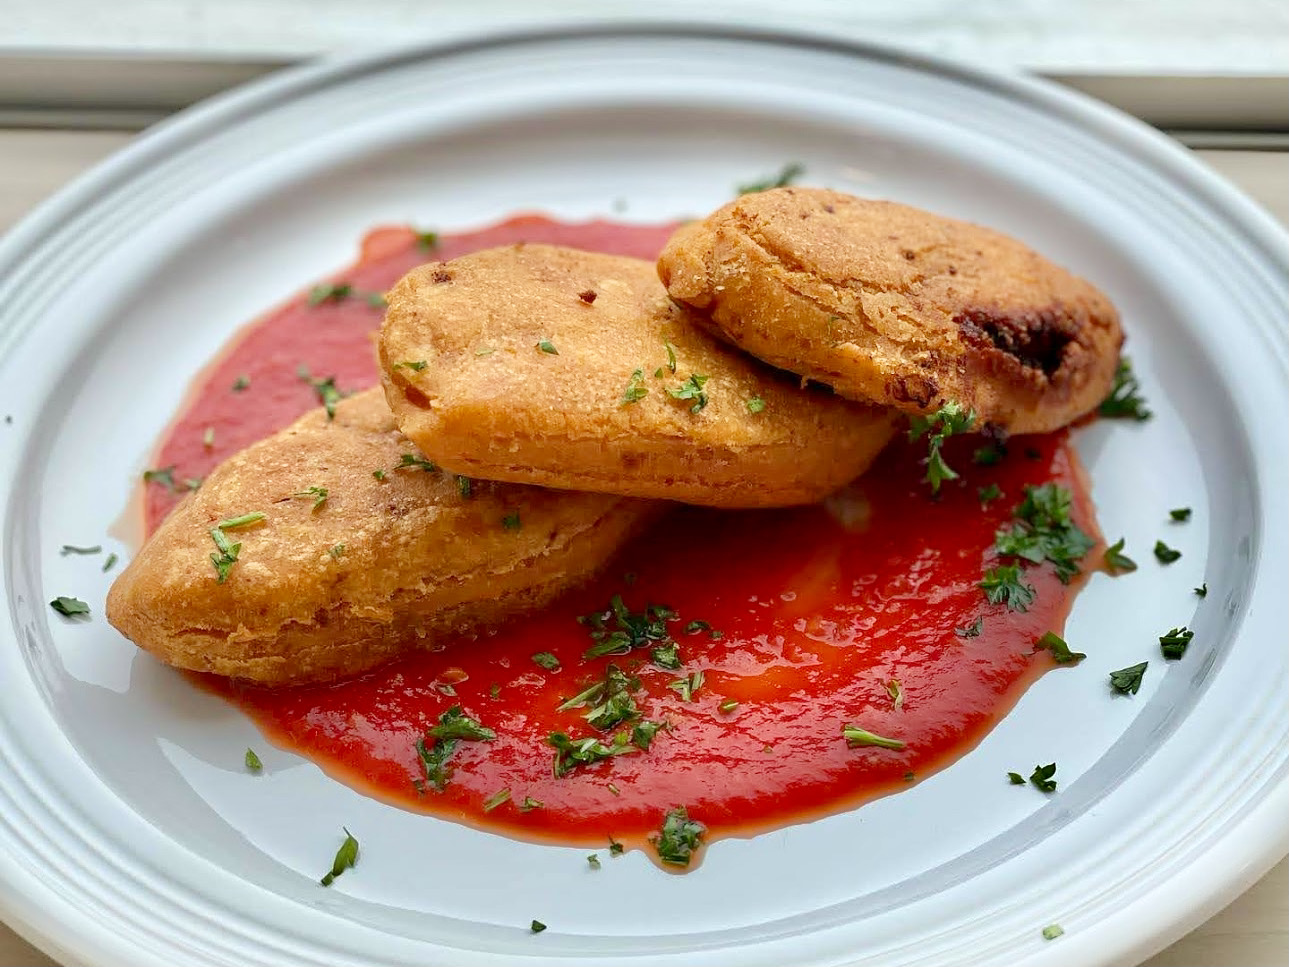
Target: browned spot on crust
column 912, row 389
column 416, row 397
column 1037, row 338
column 441, row 275
column 588, row 296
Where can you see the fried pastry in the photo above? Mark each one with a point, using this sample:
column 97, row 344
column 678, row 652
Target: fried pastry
column 364, row 550
column 542, row 365
column 898, row 306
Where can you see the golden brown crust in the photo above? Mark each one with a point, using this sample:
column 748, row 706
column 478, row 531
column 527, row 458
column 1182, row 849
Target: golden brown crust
column 419, row 559
column 895, row 305
column 489, row 402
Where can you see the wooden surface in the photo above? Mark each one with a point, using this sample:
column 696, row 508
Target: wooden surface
column 1252, row 932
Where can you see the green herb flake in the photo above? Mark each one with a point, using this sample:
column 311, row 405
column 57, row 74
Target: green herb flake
column 573, row 753
column 613, row 704
column 727, row 706
column 376, row 300
column 208, row 438
column 330, row 292
column 415, row 365
column 241, row 384
column 427, row 241
column 547, row 346
column 1165, row 554
column 1180, row 514
column 1015, row 778
column 1125, row 400
column 896, row 692
column 494, row 690
column 378, row 473
column 1052, row 931
column 511, row 522
column 679, row 838
column 465, row 487
column 162, row 475
column 755, row 405
column 317, row 494
column 697, row 625
column 636, row 389
column 987, row 455
column 615, row 848
column 454, row 727
column 485, row 351
column 631, row 629
column 1061, row 653
column 666, row 656
column 495, row 800
column 414, row 461
column 546, row 660
column 1044, row 777
column 253, row 763
column 110, row 562
column 857, row 737
column 687, row 687
column 1116, row 561
column 788, row 174
column 1003, row 585
column 1044, row 530
column 613, row 788
column 346, row 858
column 529, row 804
column 337, row 551
column 986, row 494
column 74, row 549
column 1127, row 681
column 671, row 355
column 972, row 630
column 643, row 734
column 949, row 420
column 226, row 553
column 328, row 393
column 1173, row 644
column 244, row 520
column 691, row 389
column 537, row 926
column 593, row 861
column 70, row 607
column 1202, row 590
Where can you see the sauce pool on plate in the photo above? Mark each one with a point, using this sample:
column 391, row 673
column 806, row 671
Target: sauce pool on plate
column 761, row 634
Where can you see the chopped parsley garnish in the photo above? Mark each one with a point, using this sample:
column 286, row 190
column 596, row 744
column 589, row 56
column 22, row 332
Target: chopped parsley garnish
column 511, row 522
column 1202, row 590
column 636, row 389
column 896, row 691
column 345, row 859
column 376, row 300
column 317, row 494
column 110, row 562
column 686, row 687
column 613, row 788
column 337, row 551
column 691, row 389
column 1045, row 531
column 671, row 355
column 328, row 394
column 409, row 461
column 164, row 476
column 244, row 520
column 378, row 473
column 193, row 483
column 208, row 437
column 986, row 494
column 546, row 660
column 1061, row 653
column 947, row 421
column 229, row 550
column 494, row 690
column 454, row 727
column 1127, row 681
column 495, row 800
column 615, row 848
column 73, row 549
column 972, row 630
column 786, row 176
column 70, row 607
column 1180, row 514
column 571, row 753
column 593, row 861
column 529, row 804
column 987, row 456
column 242, row 382
column 679, row 839
column 697, row 625
column 537, row 926
column 1173, row 644
column 755, row 405
column 465, row 487
column 666, row 656
column 415, row 365
column 1165, row 554
column 1016, row 778
column 1125, row 400
column 613, row 702
column 330, row 292
column 632, row 629
column 1052, row 931
column 727, row 706
column 1116, row 561
column 1043, row 777
column 547, row 346
column 253, row 763
column 1003, row 584
column 855, row 737
column 642, row 735
column 427, row 241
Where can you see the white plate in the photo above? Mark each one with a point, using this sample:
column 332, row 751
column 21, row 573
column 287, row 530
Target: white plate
column 129, row 831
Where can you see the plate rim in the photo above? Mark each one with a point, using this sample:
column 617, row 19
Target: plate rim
column 1255, row 843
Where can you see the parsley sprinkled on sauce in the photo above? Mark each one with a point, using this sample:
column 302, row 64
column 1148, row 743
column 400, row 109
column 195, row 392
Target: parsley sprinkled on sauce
column 242, row 382
column 529, row 804
column 986, row 494
column 679, row 838
column 346, row 858
column 546, row 660
column 949, row 420
column 252, row 761
column 896, row 691
column 856, row 737
column 208, row 437
column 636, row 389
column 1052, row 931
column 1116, row 561
column 631, row 629
column 697, row 625
column 1044, row 777
column 415, row 365
column 987, row 456
column 1180, row 514
column 1003, row 585
column 328, row 393
column 410, row 461
column 110, row 562
column 465, row 487
column 573, row 753
column 643, row 734
column 686, row 687
column 225, row 555
column 1127, row 681
column 1125, row 400
column 972, row 630
column 376, row 300
column 755, row 405
column 511, row 522
column 666, row 656
column 615, row 848
column 495, row 800
column 593, row 861
column 1202, row 590
column 1173, row 644
column 1060, row 650
column 1016, row 779
column 337, row 551
column 162, row 475
column 547, row 346
column 613, row 703
column 788, row 174
column 317, row 494
column 330, row 292
column 671, row 355
column 1165, row 554
column 537, row 926
column 727, row 706
column 427, row 241
column 70, row 607
column 1045, row 531
column 454, row 727
column 74, row 549
column 691, row 389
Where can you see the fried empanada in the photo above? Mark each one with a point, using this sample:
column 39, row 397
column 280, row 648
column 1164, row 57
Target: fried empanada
column 364, row 551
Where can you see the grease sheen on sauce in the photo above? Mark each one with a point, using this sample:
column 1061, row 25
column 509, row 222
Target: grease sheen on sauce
column 820, row 609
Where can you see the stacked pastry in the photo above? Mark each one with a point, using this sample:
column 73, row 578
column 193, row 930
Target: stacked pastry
column 553, row 401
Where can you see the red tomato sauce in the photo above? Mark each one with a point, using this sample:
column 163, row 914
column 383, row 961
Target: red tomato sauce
column 818, row 613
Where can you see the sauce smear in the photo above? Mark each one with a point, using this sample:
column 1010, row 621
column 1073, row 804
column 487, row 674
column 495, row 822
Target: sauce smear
column 789, row 625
